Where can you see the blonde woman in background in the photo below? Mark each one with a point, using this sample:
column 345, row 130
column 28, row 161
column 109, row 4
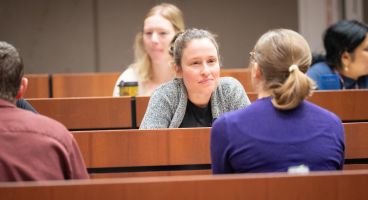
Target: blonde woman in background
column 280, row 130
column 151, row 66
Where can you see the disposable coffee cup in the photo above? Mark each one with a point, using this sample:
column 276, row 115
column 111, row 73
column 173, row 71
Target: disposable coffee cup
column 128, row 88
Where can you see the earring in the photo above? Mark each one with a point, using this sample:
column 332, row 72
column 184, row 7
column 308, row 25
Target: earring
column 346, row 68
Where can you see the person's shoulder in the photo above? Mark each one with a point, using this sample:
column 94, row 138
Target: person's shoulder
column 229, row 83
column 170, row 91
column 128, row 75
column 322, row 112
column 170, row 87
column 320, row 68
column 47, row 127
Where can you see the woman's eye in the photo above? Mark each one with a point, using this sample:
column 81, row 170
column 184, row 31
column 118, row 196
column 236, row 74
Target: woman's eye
column 148, row 33
column 163, row 33
column 212, row 61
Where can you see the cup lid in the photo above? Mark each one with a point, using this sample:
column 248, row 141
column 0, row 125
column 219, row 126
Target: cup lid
column 128, row 83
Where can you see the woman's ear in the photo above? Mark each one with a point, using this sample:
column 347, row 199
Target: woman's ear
column 22, row 88
column 178, row 71
column 256, row 77
column 256, row 71
column 346, row 59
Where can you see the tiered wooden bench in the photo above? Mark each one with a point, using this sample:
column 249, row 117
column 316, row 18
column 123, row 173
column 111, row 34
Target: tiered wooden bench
column 81, row 113
column 349, row 105
column 96, row 84
column 242, row 75
column 83, row 84
column 327, row 186
column 38, row 86
column 128, row 112
column 122, row 153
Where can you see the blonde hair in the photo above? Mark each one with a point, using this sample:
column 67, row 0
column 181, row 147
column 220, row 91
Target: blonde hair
column 142, row 63
column 283, row 57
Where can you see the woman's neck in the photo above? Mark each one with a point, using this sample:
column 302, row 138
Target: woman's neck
column 263, row 94
column 349, row 73
column 200, row 100
column 162, row 72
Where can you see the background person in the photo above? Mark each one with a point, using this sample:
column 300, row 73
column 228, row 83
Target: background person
column 197, row 96
column 346, row 45
column 280, row 130
column 151, row 65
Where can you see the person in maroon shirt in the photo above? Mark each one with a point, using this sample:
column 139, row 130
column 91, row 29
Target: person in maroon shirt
column 32, row 147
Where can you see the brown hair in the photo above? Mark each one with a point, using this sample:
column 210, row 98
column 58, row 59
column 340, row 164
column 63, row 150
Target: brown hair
column 283, row 57
column 180, row 41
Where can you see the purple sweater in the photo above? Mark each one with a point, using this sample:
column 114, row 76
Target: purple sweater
column 260, row 138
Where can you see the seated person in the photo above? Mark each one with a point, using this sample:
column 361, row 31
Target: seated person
column 22, row 103
column 346, row 45
column 33, row 147
column 197, row 96
column 151, row 63
column 280, row 130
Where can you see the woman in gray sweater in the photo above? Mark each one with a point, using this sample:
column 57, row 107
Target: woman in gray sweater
column 198, row 95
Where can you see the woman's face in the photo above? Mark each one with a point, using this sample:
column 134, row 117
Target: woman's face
column 200, row 68
column 157, row 35
column 358, row 62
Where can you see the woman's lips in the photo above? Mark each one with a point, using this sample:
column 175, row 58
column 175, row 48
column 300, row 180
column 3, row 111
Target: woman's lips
column 205, row 81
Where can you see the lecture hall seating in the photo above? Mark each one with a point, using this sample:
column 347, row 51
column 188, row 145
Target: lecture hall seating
column 85, row 113
column 128, row 112
column 83, row 84
column 96, row 84
column 349, row 105
column 124, row 153
column 38, row 86
column 343, row 185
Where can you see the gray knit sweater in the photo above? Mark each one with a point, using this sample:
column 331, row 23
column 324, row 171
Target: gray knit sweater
column 168, row 103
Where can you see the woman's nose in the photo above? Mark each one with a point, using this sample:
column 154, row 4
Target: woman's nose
column 205, row 69
column 154, row 37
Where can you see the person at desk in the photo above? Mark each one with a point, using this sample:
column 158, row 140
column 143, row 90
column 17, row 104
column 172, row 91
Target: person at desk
column 346, row 65
column 22, row 103
column 280, row 130
column 151, row 65
column 33, row 147
column 197, row 96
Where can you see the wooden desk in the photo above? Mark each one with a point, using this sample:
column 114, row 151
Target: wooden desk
column 38, row 86
column 84, row 84
column 174, row 151
column 349, row 105
column 145, row 152
column 87, row 112
column 323, row 185
column 242, row 75
column 141, row 107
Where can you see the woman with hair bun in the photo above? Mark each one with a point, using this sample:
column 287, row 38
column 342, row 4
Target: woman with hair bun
column 197, row 96
column 280, row 130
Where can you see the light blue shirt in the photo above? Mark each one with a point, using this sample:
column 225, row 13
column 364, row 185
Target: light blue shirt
column 317, row 70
